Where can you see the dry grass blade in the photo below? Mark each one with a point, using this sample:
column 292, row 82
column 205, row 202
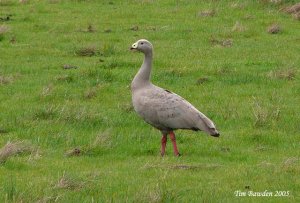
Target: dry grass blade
column 14, row 148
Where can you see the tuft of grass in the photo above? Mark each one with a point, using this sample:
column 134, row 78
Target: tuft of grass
column 296, row 16
column 103, row 139
column 3, row 30
column 47, row 112
column 202, row 80
column 274, row 29
column 87, row 51
column 65, row 78
column 69, row 182
column 110, row 64
column 156, row 192
column 90, row 93
column 291, row 164
column 68, row 66
column 263, row 115
column 48, row 198
column 5, row 79
column 14, row 148
column 134, row 28
column 127, row 107
column 101, row 142
column 284, row 74
column 108, row 49
column 47, row 90
column 221, row 42
column 238, row 27
column 207, row 13
column 294, row 9
column 74, row 152
column 91, row 28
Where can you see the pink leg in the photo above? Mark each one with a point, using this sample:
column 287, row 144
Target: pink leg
column 163, row 144
column 173, row 139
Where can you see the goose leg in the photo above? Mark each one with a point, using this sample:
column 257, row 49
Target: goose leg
column 163, row 144
column 173, row 139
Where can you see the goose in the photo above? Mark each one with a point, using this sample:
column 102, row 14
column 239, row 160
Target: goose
column 161, row 108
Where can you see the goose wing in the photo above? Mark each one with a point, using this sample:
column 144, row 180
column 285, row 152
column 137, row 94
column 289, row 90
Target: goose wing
column 172, row 111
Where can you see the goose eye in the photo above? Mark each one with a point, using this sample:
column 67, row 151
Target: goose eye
column 142, row 43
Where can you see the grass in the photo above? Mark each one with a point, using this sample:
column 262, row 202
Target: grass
column 92, row 147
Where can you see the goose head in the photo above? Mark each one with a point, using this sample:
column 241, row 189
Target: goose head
column 142, row 45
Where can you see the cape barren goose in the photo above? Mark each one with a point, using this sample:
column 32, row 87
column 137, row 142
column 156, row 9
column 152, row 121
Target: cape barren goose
column 161, row 108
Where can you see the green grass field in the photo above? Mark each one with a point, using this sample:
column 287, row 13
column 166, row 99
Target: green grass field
column 216, row 54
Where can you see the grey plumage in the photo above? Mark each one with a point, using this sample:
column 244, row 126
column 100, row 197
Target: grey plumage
column 161, row 108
